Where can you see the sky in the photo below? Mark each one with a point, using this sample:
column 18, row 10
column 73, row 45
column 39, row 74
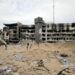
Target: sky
column 24, row 11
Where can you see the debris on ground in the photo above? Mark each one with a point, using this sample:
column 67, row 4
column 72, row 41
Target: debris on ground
column 64, row 55
column 66, row 71
column 18, row 57
column 40, row 63
column 49, row 59
column 65, row 62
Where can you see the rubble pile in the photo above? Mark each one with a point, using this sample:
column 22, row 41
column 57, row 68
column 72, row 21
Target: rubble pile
column 45, row 59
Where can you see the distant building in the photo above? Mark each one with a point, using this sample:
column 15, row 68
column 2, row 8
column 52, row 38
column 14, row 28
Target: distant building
column 39, row 31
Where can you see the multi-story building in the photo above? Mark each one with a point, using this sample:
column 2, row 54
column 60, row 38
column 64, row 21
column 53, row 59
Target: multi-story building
column 39, row 31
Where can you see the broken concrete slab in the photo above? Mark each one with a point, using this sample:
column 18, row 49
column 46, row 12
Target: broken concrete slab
column 18, row 57
column 64, row 55
column 3, row 68
column 40, row 63
column 65, row 61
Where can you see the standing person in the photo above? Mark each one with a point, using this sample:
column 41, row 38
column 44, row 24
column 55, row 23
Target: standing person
column 4, row 43
column 27, row 45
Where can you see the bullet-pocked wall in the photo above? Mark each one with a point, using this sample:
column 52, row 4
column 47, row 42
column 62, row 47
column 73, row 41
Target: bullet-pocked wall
column 39, row 22
column 40, row 31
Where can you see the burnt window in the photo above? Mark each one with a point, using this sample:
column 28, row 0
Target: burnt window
column 73, row 34
column 73, row 24
column 14, row 31
column 43, row 34
column 61, row 27
column 48, row 30
column 48, row 34
column 43, row 30
column 43, row 26
column 7, row 34
column 43, row 38
column 48, row 38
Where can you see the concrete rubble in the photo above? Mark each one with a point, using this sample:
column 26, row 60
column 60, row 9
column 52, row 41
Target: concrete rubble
column 17, row 60
column 17, row 57
column 5, row 70
column 65, row 61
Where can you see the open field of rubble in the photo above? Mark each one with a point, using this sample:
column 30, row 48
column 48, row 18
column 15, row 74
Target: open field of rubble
column 43, row 59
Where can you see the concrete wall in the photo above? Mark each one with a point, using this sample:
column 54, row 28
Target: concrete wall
column 38, row 29
column 42, row 32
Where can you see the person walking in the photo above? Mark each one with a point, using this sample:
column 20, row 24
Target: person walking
column 27, row 45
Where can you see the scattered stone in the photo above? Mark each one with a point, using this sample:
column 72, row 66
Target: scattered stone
column 63, row 72
column 3, row 68
column 40, row 63
column 63, row 55
column 20, row 58
column 65, row 61
column 8, row 72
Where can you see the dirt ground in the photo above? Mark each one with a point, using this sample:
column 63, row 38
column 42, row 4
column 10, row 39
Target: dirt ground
column 25, row 61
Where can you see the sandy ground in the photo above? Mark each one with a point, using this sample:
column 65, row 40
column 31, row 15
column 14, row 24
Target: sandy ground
column 24, row 61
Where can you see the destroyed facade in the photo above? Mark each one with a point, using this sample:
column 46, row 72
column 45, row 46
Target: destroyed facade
column 39, row 31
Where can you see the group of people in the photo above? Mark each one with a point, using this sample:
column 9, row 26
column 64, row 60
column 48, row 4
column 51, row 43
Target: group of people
column 2, row 42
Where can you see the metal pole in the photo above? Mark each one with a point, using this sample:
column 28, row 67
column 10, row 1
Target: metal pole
column 53, row 11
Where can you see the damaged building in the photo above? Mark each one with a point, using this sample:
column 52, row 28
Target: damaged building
column 39, row 31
